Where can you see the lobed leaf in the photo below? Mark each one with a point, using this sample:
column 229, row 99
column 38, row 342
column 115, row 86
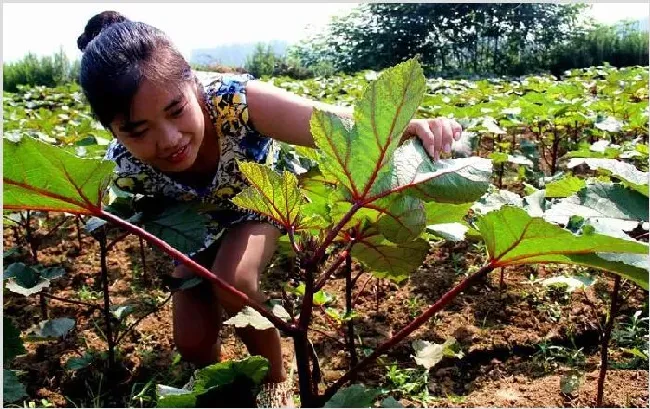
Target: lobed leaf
column 270, row 194
column 249, row 316
column 513, row 237
column 43, row 177
column 449, row 180
column 359, row 155
column 390, row 260
column 180, row 225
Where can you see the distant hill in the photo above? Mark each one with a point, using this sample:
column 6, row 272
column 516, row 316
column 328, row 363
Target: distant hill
column 232, row 54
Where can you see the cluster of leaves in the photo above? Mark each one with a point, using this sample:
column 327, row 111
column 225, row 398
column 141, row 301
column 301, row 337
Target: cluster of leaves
column 381, row 200
column 58, row 116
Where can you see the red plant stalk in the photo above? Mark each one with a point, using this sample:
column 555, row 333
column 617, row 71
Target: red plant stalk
column 198, row 269
column 407, row 330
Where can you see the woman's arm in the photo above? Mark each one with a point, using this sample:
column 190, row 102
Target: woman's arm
column 285, row 116
column 282, row 115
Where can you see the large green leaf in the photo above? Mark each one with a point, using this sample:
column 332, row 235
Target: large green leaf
column 12, row 389
column 390, row 260
column 273, row 195
column 636, row 179
column 359, row 155
column 564, row 187
column 354, row 396
column 439, row 213
column 12, row 345
column 43, row 177
column 610, row 208
column 222, row 373
column 169, row 397
column 402, row 217
column 381, row 116
column 449, row 180
column 180, row 225
column 513, row 237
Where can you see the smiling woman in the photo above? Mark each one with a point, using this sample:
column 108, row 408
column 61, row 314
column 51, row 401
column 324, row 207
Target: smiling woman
column 179, row 139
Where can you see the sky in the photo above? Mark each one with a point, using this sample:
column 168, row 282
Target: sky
column 44, row 28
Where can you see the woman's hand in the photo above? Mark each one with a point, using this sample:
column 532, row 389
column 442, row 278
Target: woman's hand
column 436, row 135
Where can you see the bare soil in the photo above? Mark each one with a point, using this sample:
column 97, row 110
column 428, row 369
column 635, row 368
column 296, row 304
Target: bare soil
column 499, row 329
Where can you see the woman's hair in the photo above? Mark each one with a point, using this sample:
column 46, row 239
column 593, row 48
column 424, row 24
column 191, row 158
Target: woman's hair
column 118, row 54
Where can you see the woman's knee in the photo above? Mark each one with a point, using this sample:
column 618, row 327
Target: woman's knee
column 197, row 321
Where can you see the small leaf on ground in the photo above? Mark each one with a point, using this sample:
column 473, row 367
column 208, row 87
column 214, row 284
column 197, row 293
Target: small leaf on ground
column 354, row 396
column 52, row 329
column 428, row 354
column 449, row 231
column 12, row 389
column 249, row 316
column 571, row 283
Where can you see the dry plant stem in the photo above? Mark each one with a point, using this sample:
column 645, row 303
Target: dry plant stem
column 78, row 221
column 554, row 152
column 144, row 261
column 155, row 310
column 198, row 269
column 363, row 287
column 76, row 302
column 107, row 303
column 613, row 310
column 406, row 331
column 354, row 360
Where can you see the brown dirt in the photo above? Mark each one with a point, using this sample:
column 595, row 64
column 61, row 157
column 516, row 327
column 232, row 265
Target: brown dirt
column 498, row 329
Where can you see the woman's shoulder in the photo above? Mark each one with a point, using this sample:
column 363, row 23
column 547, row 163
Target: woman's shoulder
column 219, row 83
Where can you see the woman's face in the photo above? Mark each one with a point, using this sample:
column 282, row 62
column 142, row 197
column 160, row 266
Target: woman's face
column 166, row 127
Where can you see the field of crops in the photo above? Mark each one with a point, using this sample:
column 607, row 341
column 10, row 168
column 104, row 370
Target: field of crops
column 504, row 275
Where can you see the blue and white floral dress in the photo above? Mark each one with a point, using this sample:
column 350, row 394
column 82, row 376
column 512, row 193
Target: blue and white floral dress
column 225, row 97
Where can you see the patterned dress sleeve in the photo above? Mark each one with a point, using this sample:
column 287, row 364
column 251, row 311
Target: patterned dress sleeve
column 227, row 97
column 129, row 176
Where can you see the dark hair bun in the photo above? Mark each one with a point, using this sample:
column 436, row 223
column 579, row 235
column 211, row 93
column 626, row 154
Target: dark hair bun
column 96, row 24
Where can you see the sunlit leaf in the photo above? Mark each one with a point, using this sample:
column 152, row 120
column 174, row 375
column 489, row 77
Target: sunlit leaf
column 273, row 195
column 564, row 187
column 358, row 156
column 625, row 171
column 429, row 354
column 43, row 177
column 249, row 316
column 449, row 231
column 169, row 397
column 449, row 180
column 513, row 237
column 222, row 373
